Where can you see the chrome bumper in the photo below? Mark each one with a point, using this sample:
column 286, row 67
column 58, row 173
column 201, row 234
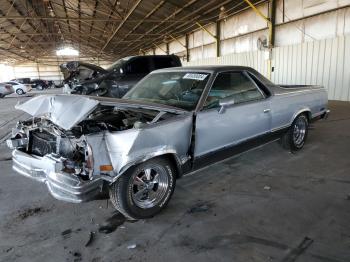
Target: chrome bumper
column 63, row 186
column 325, row 114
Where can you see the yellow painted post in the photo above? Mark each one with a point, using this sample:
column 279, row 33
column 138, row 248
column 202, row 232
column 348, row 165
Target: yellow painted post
column 213, row 36
column 159, row 48
column 269, row 23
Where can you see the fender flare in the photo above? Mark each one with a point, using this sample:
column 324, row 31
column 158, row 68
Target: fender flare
column 147, row 157
column 303, row 110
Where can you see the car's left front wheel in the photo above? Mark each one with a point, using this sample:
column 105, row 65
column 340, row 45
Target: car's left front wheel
column 145, row 189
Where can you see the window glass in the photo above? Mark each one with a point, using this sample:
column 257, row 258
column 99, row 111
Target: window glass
column 178, row 89
column 260, row 85
column 139, row 65
column 163, row 62
column 235, row 85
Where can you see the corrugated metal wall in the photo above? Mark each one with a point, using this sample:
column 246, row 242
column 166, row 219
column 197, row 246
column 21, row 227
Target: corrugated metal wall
column 325, row 62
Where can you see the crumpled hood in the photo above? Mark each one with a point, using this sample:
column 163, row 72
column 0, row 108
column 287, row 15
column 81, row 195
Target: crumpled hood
column 64, row 111
column 68, row 110
column 80, row 70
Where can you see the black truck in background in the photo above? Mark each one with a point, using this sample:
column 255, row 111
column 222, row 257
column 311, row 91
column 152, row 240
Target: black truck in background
column 115, row 81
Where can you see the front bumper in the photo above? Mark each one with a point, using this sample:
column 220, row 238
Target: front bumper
column 325, row 114
column 63, row 186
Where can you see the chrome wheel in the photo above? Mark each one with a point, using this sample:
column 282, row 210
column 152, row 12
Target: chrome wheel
column 299, row 131
column 19, row 91
column 149, row 186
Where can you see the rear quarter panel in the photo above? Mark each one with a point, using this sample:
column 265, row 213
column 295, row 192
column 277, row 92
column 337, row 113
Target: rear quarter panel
column 287, row 104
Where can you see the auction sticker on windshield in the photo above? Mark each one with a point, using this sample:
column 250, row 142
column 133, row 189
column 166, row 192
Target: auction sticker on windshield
column 195, row 76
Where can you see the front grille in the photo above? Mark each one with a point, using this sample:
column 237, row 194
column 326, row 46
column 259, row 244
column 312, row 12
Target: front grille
column 42, row 143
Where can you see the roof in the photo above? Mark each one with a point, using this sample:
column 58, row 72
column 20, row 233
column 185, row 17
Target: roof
column 101, row 28
column 206, row 68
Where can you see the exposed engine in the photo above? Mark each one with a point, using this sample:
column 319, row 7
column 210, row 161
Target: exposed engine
column 45, row 138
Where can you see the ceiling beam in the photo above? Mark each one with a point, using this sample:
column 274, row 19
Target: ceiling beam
column 159, row 5
column 88, row 19
column 132, row 9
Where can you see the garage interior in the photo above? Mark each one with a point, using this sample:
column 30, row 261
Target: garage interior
column 264, row 205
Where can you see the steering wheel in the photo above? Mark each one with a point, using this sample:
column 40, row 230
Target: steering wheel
column 172, row 93
column 169, row 96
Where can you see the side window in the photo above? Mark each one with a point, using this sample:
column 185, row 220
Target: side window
column 139, row 65
column 235, row 85
column 163, row 62
column 260, row 85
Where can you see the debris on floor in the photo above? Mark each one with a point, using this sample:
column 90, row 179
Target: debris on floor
column 91, row 239
column 299, row 250
column 112, row 223
column 267, row 188
column 28, row 212
column 132, row 246
column 199, row 207
column 66, row 233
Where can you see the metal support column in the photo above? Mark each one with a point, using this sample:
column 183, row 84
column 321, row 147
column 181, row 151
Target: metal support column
column 271, row 26
column 187, row 51
column 213, row 36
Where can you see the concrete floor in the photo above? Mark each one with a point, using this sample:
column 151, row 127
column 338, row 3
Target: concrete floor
column 265, row 205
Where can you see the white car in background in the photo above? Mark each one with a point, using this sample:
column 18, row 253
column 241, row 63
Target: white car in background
column 13, row 87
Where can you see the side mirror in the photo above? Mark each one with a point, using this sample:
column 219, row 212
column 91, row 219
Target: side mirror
column 225, row 102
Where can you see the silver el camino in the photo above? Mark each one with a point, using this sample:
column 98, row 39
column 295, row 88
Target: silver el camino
column 172, row 122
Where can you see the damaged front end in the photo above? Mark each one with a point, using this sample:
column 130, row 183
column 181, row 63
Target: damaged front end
column 46, row 153
column 77, row 145
column 86, row 79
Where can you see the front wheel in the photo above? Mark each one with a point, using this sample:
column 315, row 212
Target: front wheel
column 144, row 190
column 296, row 136
column 19, row 91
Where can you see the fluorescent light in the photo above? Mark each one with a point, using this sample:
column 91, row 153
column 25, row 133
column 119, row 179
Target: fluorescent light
column 67, row 51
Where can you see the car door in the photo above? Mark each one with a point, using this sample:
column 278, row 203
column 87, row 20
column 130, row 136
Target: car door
column 249, row 117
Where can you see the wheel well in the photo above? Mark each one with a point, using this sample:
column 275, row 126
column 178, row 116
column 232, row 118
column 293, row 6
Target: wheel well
column 173, row 159
column 169, row 156
column 307, row 114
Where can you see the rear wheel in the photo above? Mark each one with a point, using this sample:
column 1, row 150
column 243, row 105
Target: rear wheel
column 144, row 190
column 19, row 91
column 296, row 136
column 2, row 95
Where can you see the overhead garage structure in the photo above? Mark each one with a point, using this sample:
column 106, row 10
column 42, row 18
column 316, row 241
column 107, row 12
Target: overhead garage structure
column 291, row 42
column 91, row 156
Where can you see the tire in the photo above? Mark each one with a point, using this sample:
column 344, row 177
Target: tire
column 20, row 91
column 2, row 95
column 296, row 135
column 130, row 195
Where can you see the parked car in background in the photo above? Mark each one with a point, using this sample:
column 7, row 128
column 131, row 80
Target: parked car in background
column 115, row 81
column 20, row 88
column 39, row 84
column 5, row 89
column 173, row 122
column 25, row 80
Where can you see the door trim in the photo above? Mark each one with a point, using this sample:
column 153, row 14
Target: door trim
column 232, row 150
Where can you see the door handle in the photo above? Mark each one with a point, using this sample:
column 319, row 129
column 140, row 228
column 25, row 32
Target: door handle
column 267, row 110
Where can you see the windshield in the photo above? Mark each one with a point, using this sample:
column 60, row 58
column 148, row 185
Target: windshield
column 178, row 89
column 117, row 65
